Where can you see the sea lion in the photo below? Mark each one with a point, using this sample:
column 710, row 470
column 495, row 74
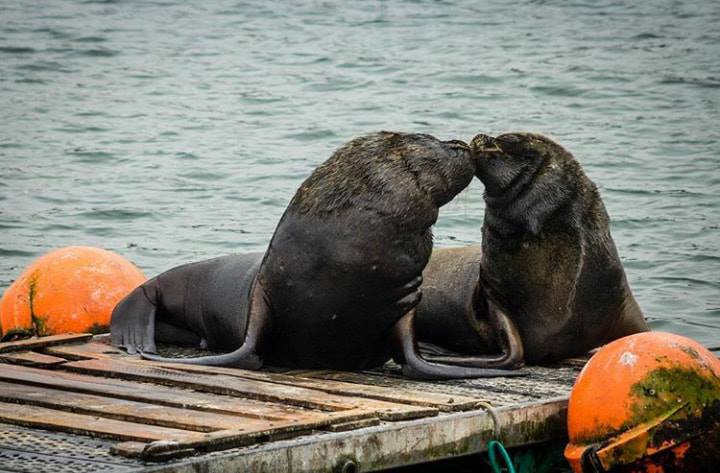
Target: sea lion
column 452, row 315
column 547, row 259
column 338, row 285
column 201, row 304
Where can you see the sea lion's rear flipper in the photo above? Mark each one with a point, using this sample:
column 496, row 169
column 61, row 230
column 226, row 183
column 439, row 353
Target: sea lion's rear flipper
column 512, row 352
column 430, row 350
column 414, row 366
column 133, row 321
column 247, row 356
column 173, row 335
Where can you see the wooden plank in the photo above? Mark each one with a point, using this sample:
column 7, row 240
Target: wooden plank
column 41, row 342
column 541, row 383
column 131, row 411
column 217, row 384
column 440, row 401
column 242, row 430
column 443, row 402
column 155, row 394
column 39, row 417
column 137, row 450
column 208, row 442
column 470, row 389
column 232, row 385
column 84, row 351
column 346, row 426
column 176, row 397
column 32, row 358
column 391, row 445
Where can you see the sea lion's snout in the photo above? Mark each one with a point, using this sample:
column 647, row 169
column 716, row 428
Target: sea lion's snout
column 485, row 151
column 482, row 143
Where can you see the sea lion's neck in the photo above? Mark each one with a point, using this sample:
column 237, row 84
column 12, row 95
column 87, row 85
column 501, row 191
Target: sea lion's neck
column 529, row 216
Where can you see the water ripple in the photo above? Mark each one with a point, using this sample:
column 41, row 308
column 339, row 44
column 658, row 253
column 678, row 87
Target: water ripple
column 16, row 50
column 113, row 214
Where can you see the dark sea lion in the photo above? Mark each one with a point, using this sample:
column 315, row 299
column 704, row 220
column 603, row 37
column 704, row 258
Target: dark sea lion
column 547, row 260
column 338, row 285
column 452, row 315
column 203, row 304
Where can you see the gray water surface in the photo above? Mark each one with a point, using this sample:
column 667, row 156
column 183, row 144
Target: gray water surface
column 173, row 131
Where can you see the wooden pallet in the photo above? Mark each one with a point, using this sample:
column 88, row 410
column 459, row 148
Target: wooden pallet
column 156, row 411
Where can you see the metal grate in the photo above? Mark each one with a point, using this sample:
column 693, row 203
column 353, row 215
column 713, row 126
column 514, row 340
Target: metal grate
column 38, row 451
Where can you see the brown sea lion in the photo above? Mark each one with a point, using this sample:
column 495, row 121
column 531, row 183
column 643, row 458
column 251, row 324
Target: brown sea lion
column 338, row 285
column 547, row 260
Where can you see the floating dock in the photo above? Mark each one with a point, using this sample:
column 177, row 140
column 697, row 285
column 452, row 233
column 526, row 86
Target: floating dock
column 74, row 403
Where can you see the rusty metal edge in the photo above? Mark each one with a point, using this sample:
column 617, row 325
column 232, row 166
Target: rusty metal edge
column 389, row 445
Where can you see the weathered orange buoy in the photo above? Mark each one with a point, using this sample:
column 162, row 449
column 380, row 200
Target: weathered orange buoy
column 649, row 402
column 71, row 289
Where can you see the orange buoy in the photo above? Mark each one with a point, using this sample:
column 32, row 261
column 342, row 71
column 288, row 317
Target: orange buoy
column 71, row 289
column 650, row 403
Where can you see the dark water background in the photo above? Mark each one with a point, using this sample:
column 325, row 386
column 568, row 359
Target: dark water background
column 174, row 131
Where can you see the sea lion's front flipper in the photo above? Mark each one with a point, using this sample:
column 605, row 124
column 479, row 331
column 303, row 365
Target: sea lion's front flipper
column 414, row 366
column 133, row 320
column 247, row 356
column 512, row 354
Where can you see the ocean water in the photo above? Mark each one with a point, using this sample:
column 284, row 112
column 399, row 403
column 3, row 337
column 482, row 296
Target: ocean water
column 172, row 131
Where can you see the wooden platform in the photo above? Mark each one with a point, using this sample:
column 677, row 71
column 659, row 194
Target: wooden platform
column 73, row 403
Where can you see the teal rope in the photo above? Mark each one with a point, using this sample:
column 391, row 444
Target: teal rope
column 494, row 445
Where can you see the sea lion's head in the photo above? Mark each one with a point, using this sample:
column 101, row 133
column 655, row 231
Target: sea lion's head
column 508, row 162
column 394, row 172
column 418, row 162
column 527, row 177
